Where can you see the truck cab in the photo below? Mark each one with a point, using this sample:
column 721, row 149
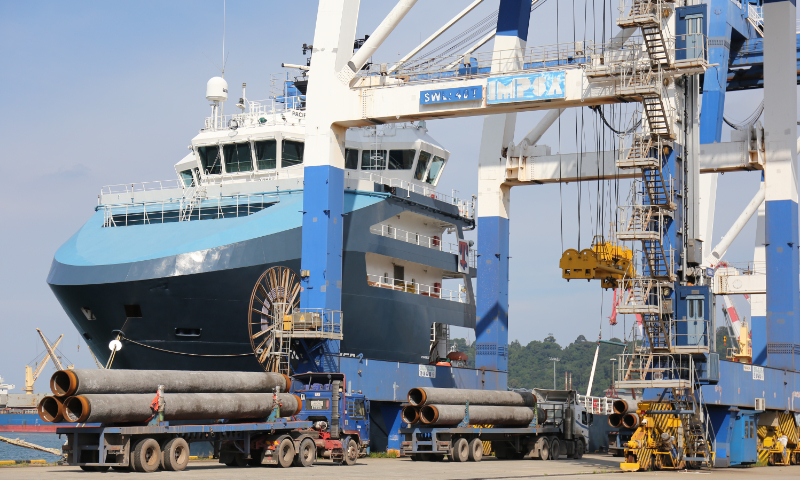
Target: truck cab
column 338, row 414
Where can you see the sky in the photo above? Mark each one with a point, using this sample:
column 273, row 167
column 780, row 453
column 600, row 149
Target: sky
column 103, row 93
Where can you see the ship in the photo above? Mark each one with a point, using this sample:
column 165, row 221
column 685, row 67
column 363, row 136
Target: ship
column 168, row 267
column 18, row 412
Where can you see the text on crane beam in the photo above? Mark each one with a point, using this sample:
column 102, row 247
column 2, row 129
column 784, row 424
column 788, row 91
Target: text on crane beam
column 525, row 88
column 449, row 95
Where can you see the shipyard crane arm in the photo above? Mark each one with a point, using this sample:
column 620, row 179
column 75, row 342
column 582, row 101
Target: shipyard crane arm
column 51, row 350
column 46, row 359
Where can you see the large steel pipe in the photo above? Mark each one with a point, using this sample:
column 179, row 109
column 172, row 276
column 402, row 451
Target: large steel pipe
column 622, row 407
column 614, row 420
column 410, row 414
column 455, row 396
column 80, row 382
column 135, row 407
column 51, row 409
column 478, row 415
column 630, row 420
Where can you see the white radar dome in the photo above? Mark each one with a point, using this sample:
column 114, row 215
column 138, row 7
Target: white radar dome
column 217, row 90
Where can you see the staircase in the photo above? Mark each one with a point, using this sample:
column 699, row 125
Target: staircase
column 656, row 330
column 647, row 14
column 656, row 114
column 695, row 430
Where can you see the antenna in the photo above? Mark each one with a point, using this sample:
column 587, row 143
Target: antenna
column 223, row 38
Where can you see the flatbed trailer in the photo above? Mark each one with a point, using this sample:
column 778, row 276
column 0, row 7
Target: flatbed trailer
column 433, row 443
column 283, row 442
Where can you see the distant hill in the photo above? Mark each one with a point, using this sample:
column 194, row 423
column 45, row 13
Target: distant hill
column 530, row 366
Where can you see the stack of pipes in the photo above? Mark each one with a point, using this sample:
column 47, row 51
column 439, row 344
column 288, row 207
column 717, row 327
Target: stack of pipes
column 136, row 396
column 447, row 406
column 625, row 414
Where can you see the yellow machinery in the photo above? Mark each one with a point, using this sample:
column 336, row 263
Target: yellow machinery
column 777, row 439
column 604, row 261
column 658, row 442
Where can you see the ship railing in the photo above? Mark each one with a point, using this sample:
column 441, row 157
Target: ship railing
column 433, row 291
column 434, row 243
column 251, row 176
column 261, row 112
column 314, row 323
column 141, row 187
column 466, row 208
column 185, row 209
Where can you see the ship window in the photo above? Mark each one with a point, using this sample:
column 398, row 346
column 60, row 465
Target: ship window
column 292, row 153
column 401, row 159
column 237, row 157
column 436, row 168
column 373, row 159
column 266, row 154
column 422, row 164
column 350, row 158
column 187, row 178
column 210, row 159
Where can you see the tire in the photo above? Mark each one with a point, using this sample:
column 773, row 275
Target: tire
column 544, row 450
column 285, row 453
column 175, row 455
column 146, row 456
column 307, row 454
column 414, row 457
column 460, row 450
column 95, row 468
column 475, row 450
column 555, row 448
column 579, row 450
column 350, row 454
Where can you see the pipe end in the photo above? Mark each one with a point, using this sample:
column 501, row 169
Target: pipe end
column 417, row 397
column 429, row 414
column 77, row 409
column 51, row 409
column 64, row 383
column 410, row 414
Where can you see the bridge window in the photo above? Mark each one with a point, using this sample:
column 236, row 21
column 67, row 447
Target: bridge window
column 422, row 165
column 436, row 169
column 351, row 158
column 373, row 159
column 292, row 153
column 237, row 157
column 401, row 159
column 266, row 154
column 210, row 159
column 187, row 178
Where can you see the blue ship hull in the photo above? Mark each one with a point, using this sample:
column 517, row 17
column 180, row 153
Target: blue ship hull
column 192, row 282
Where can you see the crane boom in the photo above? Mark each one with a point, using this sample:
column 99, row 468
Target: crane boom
column 50, row 350
column 46, row 359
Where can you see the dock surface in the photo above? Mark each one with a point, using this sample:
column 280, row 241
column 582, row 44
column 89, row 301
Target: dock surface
column 603, row 466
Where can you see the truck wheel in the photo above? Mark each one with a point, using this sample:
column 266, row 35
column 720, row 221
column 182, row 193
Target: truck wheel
column 285, row 453
column 460, row 450
column 307, row 454
column 475, row 450
column 175, row 455
column 146, row 456
column 350, row 454
column 555, row 449
column 543, row 444
column 579, row 450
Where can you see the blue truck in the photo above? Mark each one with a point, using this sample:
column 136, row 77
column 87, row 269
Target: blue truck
column 332, row 424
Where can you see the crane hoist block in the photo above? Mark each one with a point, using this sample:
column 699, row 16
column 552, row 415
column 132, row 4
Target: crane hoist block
column 604, row 261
